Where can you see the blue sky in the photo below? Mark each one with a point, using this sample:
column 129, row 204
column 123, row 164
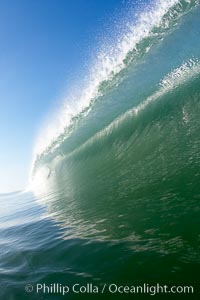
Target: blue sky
column 43, row 45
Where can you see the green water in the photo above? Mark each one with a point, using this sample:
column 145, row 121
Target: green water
column 115, row 198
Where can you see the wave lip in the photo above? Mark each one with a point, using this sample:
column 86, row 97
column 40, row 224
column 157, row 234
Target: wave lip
column 152, row 25
column 133, row 156
column 179, row 76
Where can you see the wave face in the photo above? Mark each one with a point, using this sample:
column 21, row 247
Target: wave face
column 118, row 171
column 125, row 162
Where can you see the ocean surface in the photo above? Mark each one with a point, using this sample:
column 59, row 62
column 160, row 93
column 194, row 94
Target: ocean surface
column 114, row 193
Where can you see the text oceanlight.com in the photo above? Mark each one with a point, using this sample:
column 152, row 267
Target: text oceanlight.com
column 112, row 288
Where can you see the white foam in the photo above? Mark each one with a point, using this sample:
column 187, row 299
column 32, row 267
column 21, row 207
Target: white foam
column 109, row 62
